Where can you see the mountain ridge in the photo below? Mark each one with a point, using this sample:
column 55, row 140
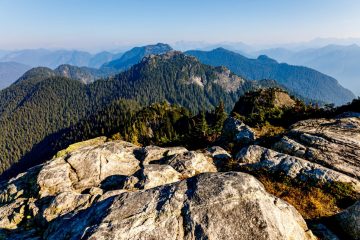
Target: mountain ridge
column 54, row 58
column 172, row 77
column 304, row 81
column 338, row 61
column 135, row 55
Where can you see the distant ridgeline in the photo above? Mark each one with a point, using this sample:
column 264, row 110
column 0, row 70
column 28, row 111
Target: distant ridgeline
column 304, row 81
column 73, row 64
column 43, row 101
column 134, row 56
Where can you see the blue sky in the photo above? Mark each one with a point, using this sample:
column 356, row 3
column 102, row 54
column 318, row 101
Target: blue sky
column 96, row 24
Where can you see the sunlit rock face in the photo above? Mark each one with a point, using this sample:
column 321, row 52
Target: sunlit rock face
column 102, row 189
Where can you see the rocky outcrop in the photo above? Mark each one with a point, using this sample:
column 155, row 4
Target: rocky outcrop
column 236, row 131
column 349, row 221
column 87, row 167
column 196, row 208
column 227, row 80
column 218, row 153
column 116, row 190
column 154, row 153
column 333, row 143
column 12, row 214
column 66, row 202
column 260, row 158
column 90, row 172
column 157, row 175
column 316, row 151
column 191, row 163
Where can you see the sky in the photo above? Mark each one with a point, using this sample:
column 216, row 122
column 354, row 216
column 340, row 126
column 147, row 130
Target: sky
column 110, row 24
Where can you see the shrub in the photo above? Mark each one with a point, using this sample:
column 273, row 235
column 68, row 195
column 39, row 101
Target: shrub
column 312, row 201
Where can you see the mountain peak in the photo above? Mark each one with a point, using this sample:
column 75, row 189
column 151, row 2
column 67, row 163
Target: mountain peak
column 220, row 49
column 265, row 58
column 158, row 48
column 172, row 58
column 37, row 73
column 135, row 55
column 161, row 45
column 164, row 56
column 306, row 82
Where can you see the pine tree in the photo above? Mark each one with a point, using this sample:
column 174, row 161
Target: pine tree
column 201, row 127
column 220, row 117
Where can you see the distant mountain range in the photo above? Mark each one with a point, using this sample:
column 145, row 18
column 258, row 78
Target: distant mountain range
column 54, row 58
column 340, row 62
column 10, row 71
column 82, row 64
column 3, row 53
column 302, row 80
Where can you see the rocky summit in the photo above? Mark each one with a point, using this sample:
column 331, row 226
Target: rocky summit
column 315, row 152
column 103, row 189
column 334, row 143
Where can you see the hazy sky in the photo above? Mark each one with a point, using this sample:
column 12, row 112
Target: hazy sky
column 95, row 24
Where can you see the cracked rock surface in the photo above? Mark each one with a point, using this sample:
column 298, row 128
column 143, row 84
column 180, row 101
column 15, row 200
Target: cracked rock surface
column 316, row 151
column 116, row 190
column 324, row 150
column 349, row 221
column 260, row 158
column 333, row 143
column 196, row 208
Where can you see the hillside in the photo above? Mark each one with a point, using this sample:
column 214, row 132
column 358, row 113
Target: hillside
column 10, row 72
column 84, row 74
column 178, row 79
column 305, row 81
column 41, row 103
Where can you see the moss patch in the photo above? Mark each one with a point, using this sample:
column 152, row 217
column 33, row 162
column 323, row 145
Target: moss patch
column 78, row 145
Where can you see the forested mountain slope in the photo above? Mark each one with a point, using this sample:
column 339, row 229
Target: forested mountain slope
column 341, row 62
column 304, row 81
column 42, row 103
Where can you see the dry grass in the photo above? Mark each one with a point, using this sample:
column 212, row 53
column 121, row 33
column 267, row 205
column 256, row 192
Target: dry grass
column 268, row 130
column 312, row 201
